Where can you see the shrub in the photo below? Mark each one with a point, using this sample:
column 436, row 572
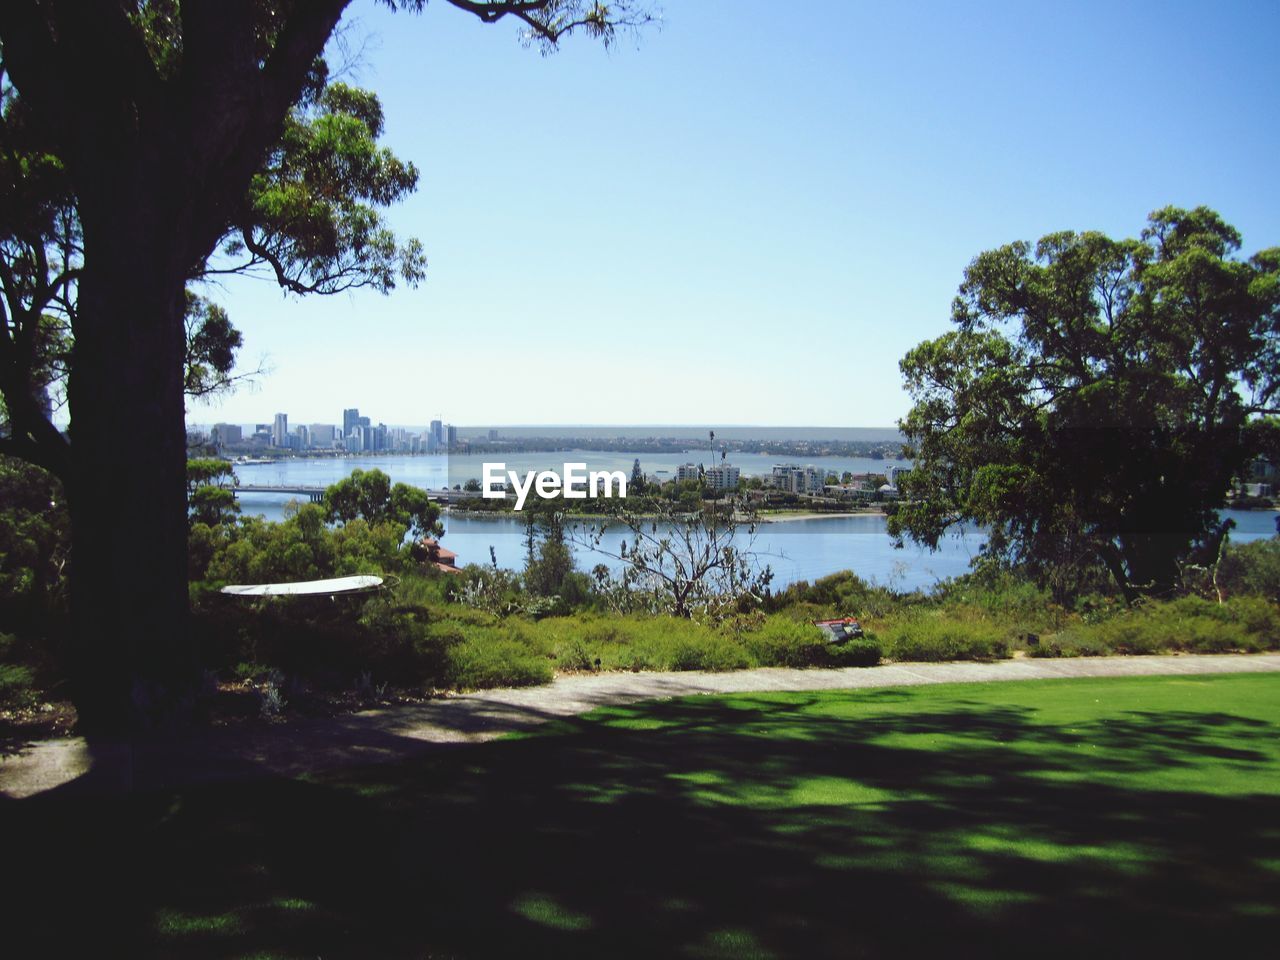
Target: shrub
column 1134, row 634
column 784, row 643
column 17, row 685
column 933, row 637
column 1070, row 643
column 1259, row 618
column 706, row 651
column 855, row 653
column 1251, row 569
column 485, row 659
column 1193, row 624
column 574, row 654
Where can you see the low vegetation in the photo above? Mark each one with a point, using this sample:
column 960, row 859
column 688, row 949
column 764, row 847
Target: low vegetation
column 487, row 627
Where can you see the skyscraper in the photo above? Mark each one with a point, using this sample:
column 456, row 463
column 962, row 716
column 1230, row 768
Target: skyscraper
column 349, row 419
column 437, row 431
column 280, row 431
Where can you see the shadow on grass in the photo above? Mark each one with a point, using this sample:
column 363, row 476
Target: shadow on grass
column 797, row 826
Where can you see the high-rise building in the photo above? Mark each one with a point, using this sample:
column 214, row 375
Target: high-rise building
column 322, row 435
column 303, row 433
column 688, row 471
column 493, row 434
column 224, row 433
column 437, row 431
column 723, row 476
column 451, row 436
column 349, row 419
column 280, row 431
column 796, row 479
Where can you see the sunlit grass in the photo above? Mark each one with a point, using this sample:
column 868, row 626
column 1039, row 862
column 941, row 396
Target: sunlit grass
column 1079, row 814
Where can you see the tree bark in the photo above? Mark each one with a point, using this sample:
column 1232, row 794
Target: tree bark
column 160, row 166
column 133, row 666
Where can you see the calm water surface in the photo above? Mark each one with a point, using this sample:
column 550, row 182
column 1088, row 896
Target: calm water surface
column 794, row 549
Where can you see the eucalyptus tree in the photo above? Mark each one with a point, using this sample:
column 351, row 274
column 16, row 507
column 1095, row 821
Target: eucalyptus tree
column 371, row 496
column 1096, row 398
column 180, row 128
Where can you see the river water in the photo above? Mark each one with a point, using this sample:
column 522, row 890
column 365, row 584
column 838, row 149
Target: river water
column 794, row 549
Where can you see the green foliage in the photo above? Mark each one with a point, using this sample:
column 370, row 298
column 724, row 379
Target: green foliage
column 1251, row 569
column 497, row 656
column 935, row 636
column 370, row 495
column 209, row 472
column 17, row 679
column 866, row 652
column 212, row 344
column 315, row 203
column 1069, row 643
column 1194, row 625
column 641, row 643
column 782, row 642
column 35, row 546
column 1095, row 400
column 837, row 595
column 301, row 547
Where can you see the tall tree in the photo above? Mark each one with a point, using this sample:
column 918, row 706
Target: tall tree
column 371, row 496
column 1096, row 398
column 167, row 120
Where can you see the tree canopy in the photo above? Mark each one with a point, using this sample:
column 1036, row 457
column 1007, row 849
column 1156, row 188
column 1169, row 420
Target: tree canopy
column 154, row 133
column 310, row 221
column 1096, row 398
column 370, row 495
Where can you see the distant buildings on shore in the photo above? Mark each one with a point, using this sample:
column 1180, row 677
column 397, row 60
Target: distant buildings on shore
column 358, row 434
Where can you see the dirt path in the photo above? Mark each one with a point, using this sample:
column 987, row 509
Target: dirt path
column 401, row 732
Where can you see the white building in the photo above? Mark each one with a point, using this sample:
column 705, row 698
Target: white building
column 723, row 476
column 688, row 471
column 797, row 479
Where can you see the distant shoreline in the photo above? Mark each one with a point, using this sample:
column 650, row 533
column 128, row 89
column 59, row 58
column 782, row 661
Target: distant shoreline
column 783, row 516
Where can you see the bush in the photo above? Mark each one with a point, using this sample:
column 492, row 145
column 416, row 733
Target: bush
column 1259, row 618
column 1251, row 569
column 1193, row 624
column 1070, row 643
column 932, row 637
column 707, row 651
column 784, row 643
column 486, row 658
column 17, row 686
column 839, row 595
column 855, row 653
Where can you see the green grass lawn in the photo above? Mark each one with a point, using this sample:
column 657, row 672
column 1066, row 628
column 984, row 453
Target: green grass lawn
column 1108, row 817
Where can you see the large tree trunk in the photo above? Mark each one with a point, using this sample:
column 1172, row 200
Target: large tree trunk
column 160, row 163
column 133, row 662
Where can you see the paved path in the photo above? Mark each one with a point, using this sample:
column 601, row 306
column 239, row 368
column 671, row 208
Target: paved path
column 401, row 732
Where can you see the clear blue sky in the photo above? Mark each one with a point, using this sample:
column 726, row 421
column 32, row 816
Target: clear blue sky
column 750, row 217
